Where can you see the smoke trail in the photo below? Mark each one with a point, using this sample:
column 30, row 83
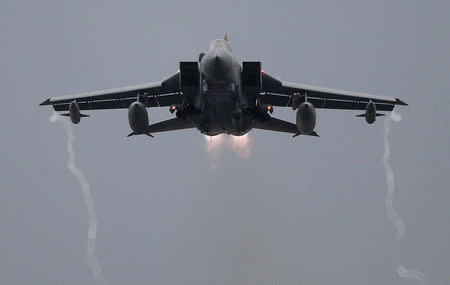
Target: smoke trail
column 411, row 274
column 92, row 231
column 391, row 213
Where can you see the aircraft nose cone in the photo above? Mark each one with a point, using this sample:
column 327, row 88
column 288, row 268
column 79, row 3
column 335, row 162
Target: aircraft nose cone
column 217, row 66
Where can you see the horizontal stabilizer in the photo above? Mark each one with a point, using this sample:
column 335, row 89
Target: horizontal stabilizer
column 378, row 114
column 168, row 125
column 171, row 125
column 277, row 125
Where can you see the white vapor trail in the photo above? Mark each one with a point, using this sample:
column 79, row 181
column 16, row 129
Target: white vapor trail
column 92, row 231
column 392, row 214
column 390, row 211
column 411, row 274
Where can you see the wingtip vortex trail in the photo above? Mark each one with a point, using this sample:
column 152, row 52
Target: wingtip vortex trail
column 93, row 263
column 390, row 211
column 411, row 274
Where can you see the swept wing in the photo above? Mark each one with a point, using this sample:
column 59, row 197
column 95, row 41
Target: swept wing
column 278, row 93
column 157, row 94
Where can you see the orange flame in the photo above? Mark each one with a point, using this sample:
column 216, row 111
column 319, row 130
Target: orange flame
column 241, row 145
column 213, row 145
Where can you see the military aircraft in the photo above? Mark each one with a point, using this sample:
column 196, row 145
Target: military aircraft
column 216, row 95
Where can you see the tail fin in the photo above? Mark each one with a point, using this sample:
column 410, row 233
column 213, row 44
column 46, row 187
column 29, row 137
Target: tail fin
column 225, row 38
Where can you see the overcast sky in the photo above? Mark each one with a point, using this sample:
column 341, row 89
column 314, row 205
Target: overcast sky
column 297, row 211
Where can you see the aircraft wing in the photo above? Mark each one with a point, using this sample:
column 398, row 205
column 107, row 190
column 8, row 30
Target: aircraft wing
column 278, row 93
column 157, row 94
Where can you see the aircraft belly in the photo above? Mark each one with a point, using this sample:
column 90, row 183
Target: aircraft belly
column 219, row 108
column 217, row 117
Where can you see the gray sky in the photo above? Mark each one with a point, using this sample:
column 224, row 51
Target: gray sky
column 299, row 211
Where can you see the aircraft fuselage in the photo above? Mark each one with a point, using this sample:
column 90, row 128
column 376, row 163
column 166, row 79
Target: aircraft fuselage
column 221, row 94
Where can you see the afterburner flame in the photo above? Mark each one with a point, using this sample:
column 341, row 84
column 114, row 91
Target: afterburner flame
column 213, row 143
column 241, row 145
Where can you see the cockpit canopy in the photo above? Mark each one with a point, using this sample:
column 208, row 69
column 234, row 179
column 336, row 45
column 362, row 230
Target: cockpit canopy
column 220, row 44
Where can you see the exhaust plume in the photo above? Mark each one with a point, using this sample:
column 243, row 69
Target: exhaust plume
column 241, row 145
column 390, row 211
column 213, row 146
column 88, row 199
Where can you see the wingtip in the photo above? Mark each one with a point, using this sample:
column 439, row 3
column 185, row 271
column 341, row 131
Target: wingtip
column 400, row 102
column 46, row 102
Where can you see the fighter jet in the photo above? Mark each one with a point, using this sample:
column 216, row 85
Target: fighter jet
column 216, row 94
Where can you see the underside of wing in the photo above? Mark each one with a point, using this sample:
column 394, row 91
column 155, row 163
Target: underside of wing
column 279, row 93
column 285, row 101
column 156, row 94
column 147, row 100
